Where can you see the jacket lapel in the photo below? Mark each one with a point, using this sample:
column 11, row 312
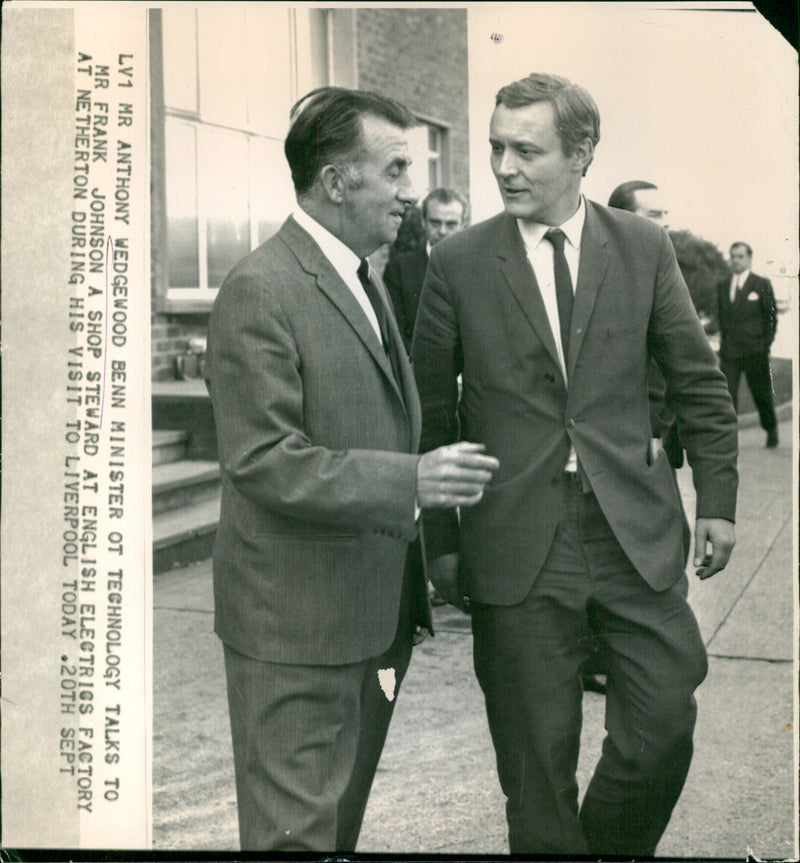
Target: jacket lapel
column 330, row 283
column 521, row 280
column 591, row 271
column 743, row 291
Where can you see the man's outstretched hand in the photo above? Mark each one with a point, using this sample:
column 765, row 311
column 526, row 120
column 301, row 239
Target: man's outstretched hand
column 454, row 475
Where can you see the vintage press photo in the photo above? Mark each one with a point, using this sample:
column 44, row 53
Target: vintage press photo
column 143, row 156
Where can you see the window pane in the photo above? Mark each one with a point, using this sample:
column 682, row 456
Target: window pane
column 180, row 57
column 272, row 194
column 269, row 69
column 181, row 184
column 433, row 139
column 433, row 173
column 418, row 149
column 224, row 200
column 222, row 64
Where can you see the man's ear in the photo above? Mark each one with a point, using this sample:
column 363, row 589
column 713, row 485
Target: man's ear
column 333, row 182
column 583, row 155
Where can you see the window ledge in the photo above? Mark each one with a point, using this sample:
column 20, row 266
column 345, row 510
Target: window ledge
column 188, row 306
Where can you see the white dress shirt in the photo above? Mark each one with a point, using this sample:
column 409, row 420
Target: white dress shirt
column 737, row 281
column 540, row 254
column 343, row 259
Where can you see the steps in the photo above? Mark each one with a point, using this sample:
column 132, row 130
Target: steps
column 186, row 500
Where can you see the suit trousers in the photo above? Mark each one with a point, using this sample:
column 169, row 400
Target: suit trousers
column 758, row 375
column 528, row 658
column 306, row 743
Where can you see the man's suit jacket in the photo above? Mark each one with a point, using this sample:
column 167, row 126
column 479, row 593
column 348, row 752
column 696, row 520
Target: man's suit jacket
column 404, row 276
column 318, row 446
column 747, row 326
column 481, row 314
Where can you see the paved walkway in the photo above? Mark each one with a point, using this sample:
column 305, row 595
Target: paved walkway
column 436, row 790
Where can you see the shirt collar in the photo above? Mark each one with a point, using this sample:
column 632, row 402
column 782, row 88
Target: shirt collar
column 740, row 278
column 344, row 260
column 533, row 232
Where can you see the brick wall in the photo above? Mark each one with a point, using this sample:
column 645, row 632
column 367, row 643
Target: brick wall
column 419, row 57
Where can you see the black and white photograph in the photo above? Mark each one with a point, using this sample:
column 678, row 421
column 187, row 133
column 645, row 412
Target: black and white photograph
column 400, row 447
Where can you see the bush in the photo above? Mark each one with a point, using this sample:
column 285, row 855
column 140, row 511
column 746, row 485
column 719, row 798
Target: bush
column 703, row 268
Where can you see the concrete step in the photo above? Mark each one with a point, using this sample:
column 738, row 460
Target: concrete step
column 184, row 483
column 184, row 535
column 169, row 445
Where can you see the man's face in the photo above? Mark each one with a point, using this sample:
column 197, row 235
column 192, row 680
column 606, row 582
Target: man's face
column 536, row 179
column 649, row 203
column 379, row 188
column 441, row 220
column 740, row 260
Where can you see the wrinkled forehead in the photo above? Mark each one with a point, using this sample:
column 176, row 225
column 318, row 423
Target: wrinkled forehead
column 382, row 140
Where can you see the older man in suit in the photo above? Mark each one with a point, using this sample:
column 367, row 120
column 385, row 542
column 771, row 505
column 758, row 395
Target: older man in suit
column 318, row 582
column 444, row 212
column 748, row 319
column 551, row 312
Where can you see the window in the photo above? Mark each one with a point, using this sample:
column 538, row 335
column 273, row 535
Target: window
column 428, row 146
column 231, row 73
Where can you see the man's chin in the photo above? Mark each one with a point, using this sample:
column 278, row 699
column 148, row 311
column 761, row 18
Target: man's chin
column 519, row 209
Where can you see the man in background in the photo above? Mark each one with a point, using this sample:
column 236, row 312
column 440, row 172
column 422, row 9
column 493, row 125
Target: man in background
column 748, row 319
column 642, row 198
column 444, row 212
column 318, row 574
column 551, row 312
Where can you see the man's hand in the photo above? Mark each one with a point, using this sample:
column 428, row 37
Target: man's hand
column 720, row 533
column 443, row 573
column 454, row 475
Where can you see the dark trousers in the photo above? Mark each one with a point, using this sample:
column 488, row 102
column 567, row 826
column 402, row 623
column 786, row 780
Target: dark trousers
column 528, row 659
column 306, row 744
column 757, row 373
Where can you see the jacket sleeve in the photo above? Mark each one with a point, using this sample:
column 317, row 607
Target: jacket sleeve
column 254, row 376
column 697, row 390
column 437, row 360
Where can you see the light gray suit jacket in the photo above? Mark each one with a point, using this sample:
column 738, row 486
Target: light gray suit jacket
column 318, row 447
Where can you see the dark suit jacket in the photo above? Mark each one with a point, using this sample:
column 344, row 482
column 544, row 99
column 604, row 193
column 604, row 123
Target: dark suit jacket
column 404, row 276
column 481, row 314
column 747, row 326
column 317, row 445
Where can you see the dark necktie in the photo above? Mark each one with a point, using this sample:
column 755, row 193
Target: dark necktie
column 564, row 294
column 380, row 313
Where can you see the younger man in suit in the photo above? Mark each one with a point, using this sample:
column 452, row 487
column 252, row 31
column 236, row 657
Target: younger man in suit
column 444, row 212
column 318, row 580
column 551, row 311
column 748, row 318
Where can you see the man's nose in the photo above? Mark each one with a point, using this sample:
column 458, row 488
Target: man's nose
column 507, row 165
column 406, row 193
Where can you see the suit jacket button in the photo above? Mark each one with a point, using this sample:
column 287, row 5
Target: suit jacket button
column 549, row 377
column 570, row 423
column 555, row 480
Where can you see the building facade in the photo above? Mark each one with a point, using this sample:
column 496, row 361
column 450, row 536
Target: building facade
column 223, row 78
